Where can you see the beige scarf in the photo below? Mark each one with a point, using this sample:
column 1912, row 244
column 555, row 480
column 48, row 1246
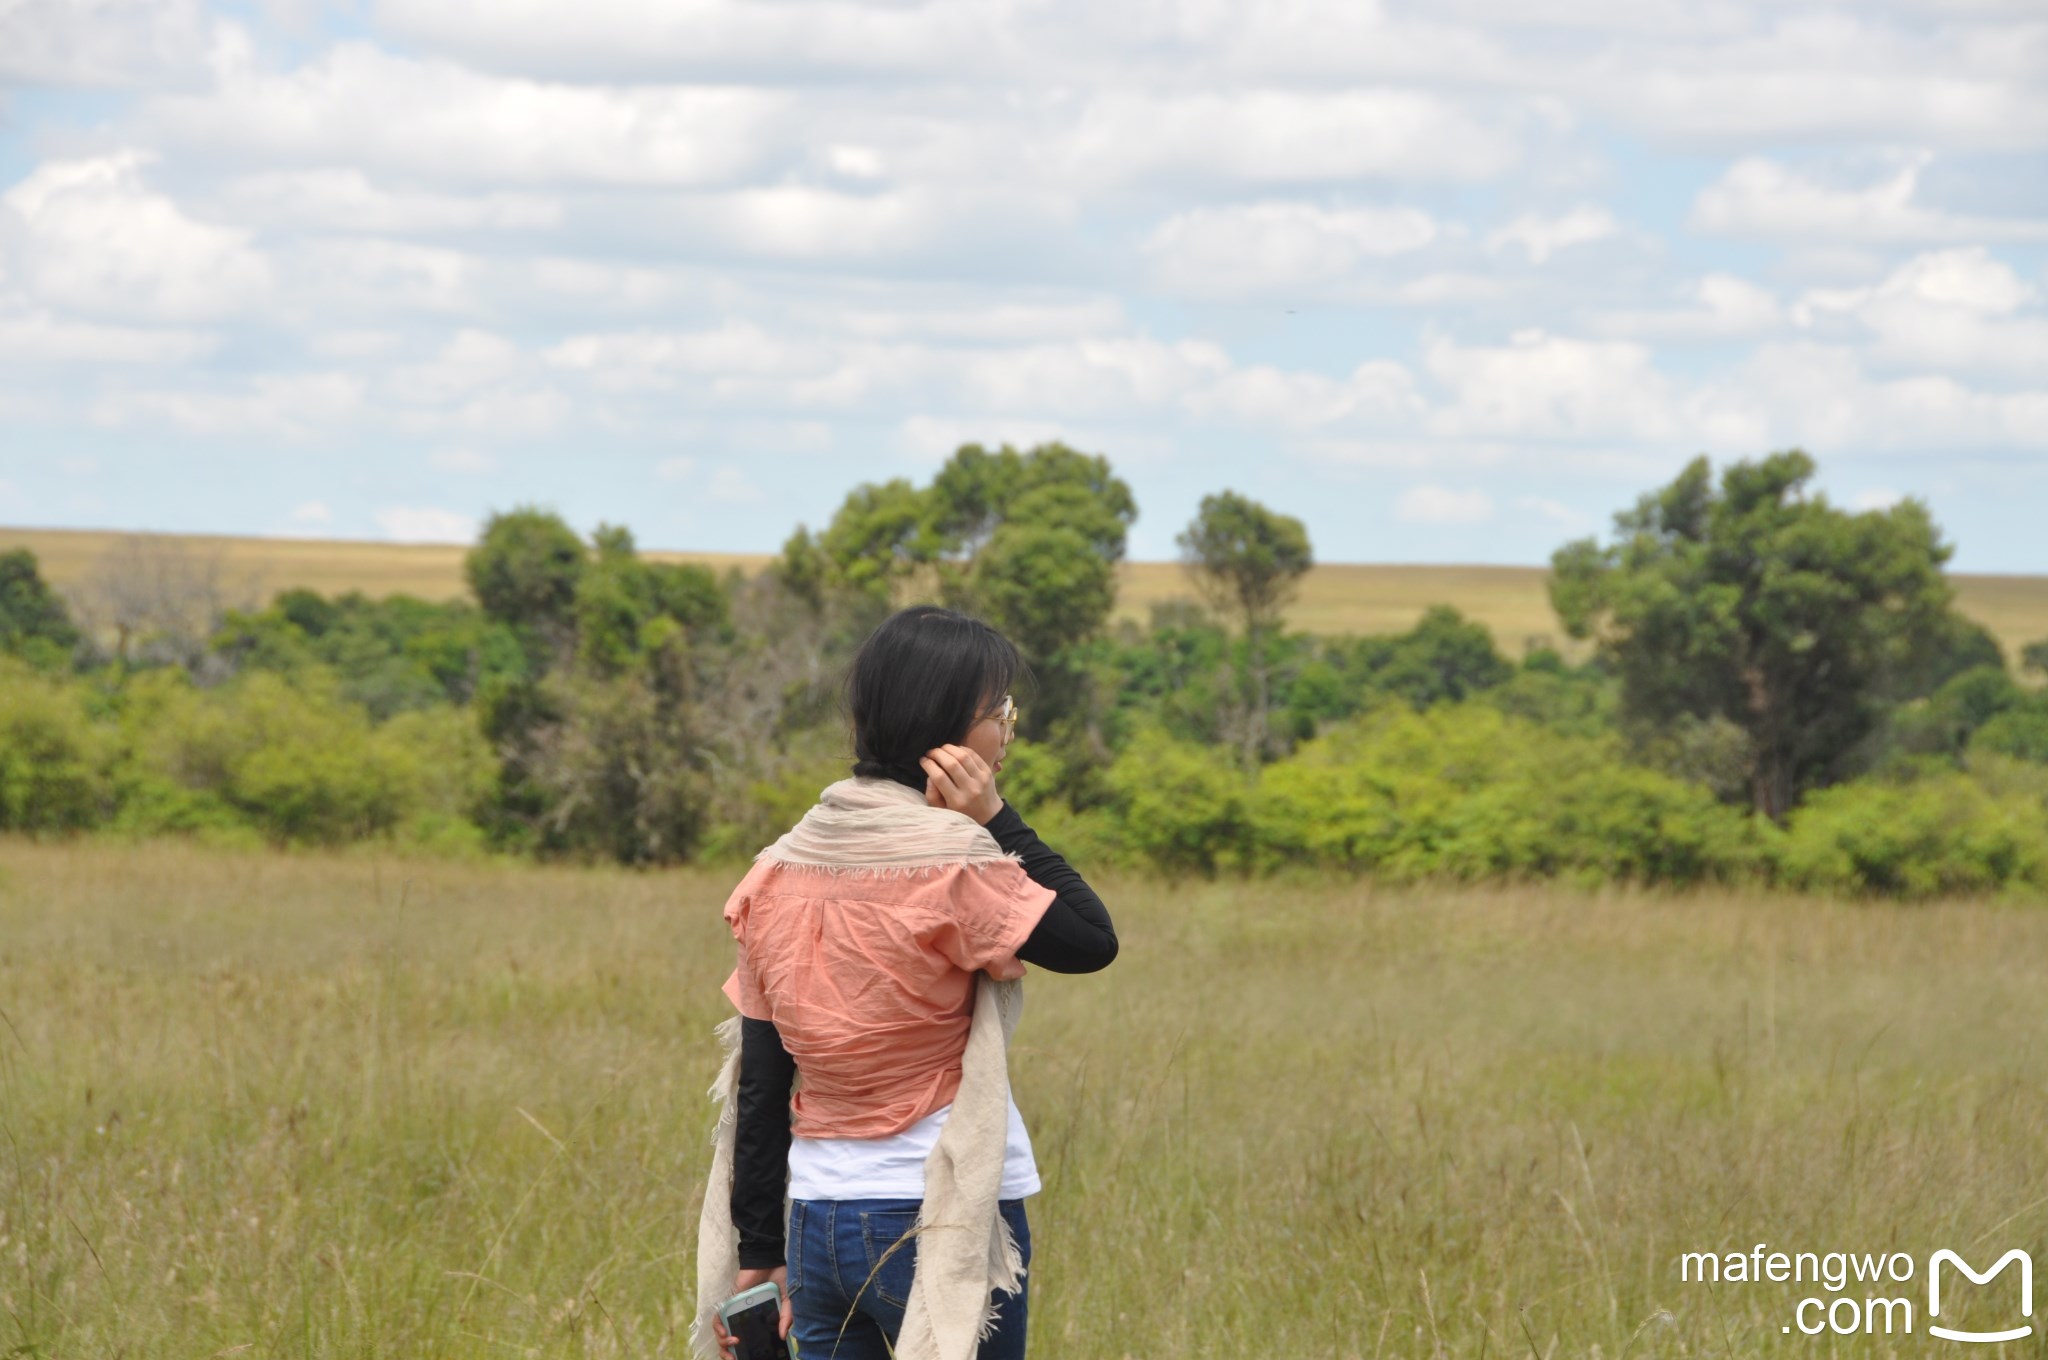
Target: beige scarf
column 965, row 1247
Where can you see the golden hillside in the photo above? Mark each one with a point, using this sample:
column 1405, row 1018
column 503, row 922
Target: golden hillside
column 1335, row 598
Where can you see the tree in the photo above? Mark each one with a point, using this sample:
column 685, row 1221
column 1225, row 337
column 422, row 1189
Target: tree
column 2034, row 656
column 1027, row 539
column 1044, row 586
column 391, row 655
column 1443, row 659
column 161, row 600
column 1246, row 561
column 1760, row 603
column 524, row 571
column 34, row 624
column 621, row 600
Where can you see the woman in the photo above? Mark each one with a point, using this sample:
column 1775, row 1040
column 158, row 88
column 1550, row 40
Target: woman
column 859, row 960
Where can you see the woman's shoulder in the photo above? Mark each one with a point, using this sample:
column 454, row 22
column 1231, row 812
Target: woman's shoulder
column 747, row 888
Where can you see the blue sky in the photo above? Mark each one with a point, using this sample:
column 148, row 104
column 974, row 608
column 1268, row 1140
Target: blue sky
column 1452, row 282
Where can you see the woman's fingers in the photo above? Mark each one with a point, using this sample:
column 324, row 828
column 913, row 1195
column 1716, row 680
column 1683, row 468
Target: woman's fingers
column 937, row 776
column 963, row 764
column 969, row 784
column 977, row 768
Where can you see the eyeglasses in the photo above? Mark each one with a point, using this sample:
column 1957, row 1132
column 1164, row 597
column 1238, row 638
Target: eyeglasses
column 1007, row 716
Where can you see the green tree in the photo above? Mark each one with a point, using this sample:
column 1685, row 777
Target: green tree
column 881, row 533
column 621, row 597
column 1028, row 539
column 34, row 623
column 1442, row 659
column 2034, row 656
column 1761, row 603
column 1043, row 586
column 977, row 492
column 392, row 655
column 1247, row 561
column 524, row 571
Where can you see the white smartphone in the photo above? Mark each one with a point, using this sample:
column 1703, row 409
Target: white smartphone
column 754, row 1318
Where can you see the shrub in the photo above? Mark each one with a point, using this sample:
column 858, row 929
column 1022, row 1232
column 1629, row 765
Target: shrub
column 2020, row 731
column 54, row 760
column 293, row 759
column 1944, row 834
column 1184, row 808
column 1468, row 792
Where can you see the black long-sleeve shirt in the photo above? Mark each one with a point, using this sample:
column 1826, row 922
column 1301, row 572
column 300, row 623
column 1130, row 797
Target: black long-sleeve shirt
column 1074, row 936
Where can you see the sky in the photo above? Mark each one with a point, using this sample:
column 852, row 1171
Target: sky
column 1450, row 282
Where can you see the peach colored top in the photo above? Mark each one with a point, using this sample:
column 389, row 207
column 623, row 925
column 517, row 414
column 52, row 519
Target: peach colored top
column 869, row 977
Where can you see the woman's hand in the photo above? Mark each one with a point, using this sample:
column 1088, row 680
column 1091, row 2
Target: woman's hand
column 746, row 1280
column 957, row 778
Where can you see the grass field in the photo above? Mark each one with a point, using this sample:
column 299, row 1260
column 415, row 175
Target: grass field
column 1334, row 598
column 273, row 1105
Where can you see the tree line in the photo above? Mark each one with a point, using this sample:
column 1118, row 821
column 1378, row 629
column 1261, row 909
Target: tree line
column 1771, row 688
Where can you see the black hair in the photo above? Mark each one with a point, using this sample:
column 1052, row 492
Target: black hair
column 923, row 678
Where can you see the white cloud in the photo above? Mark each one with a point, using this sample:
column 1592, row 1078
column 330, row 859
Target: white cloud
column 1450, row 289
column 796, row 221
column 379, row 277
column 1377, row 394
column 729, row 486
column 90, row 235
column 346, row 200
column 101, row 42
column 1875, row 498
column 1821, row 398
column 1761, row 197
column 1776, row 73
column 627, row 39
column 1278, row 247
column 1722, row 307
column 41, row 337
column 1555, row 512
column 854, row 162
column 1541, row 237
column 291, row 404
column 1952, row 310
column 467, row 462
column 311, row 512
column 471, row 363
column 999, row 319
column 1541, row 386
column 425, row 524
column 1277, row 136
column 356, row 344
column 358, row 105
column 654, row 360
column 763, row 231
column 1429, row 504
column 936, row 437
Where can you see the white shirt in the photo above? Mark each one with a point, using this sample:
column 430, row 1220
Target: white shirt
column 893, row 1167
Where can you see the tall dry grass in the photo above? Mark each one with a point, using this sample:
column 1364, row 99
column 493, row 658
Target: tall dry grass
column 349, row 1106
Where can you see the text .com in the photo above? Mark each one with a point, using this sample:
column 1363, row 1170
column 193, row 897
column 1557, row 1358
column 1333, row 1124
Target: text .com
column 1864, row 1310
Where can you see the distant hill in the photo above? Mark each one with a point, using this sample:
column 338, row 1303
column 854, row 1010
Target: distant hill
column 1335, row 598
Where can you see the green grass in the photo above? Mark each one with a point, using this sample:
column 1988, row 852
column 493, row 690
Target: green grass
column 274, row 1105
column 1339, row 597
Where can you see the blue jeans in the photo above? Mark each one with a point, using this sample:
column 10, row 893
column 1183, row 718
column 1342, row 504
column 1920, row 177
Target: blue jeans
column 847, row 1289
